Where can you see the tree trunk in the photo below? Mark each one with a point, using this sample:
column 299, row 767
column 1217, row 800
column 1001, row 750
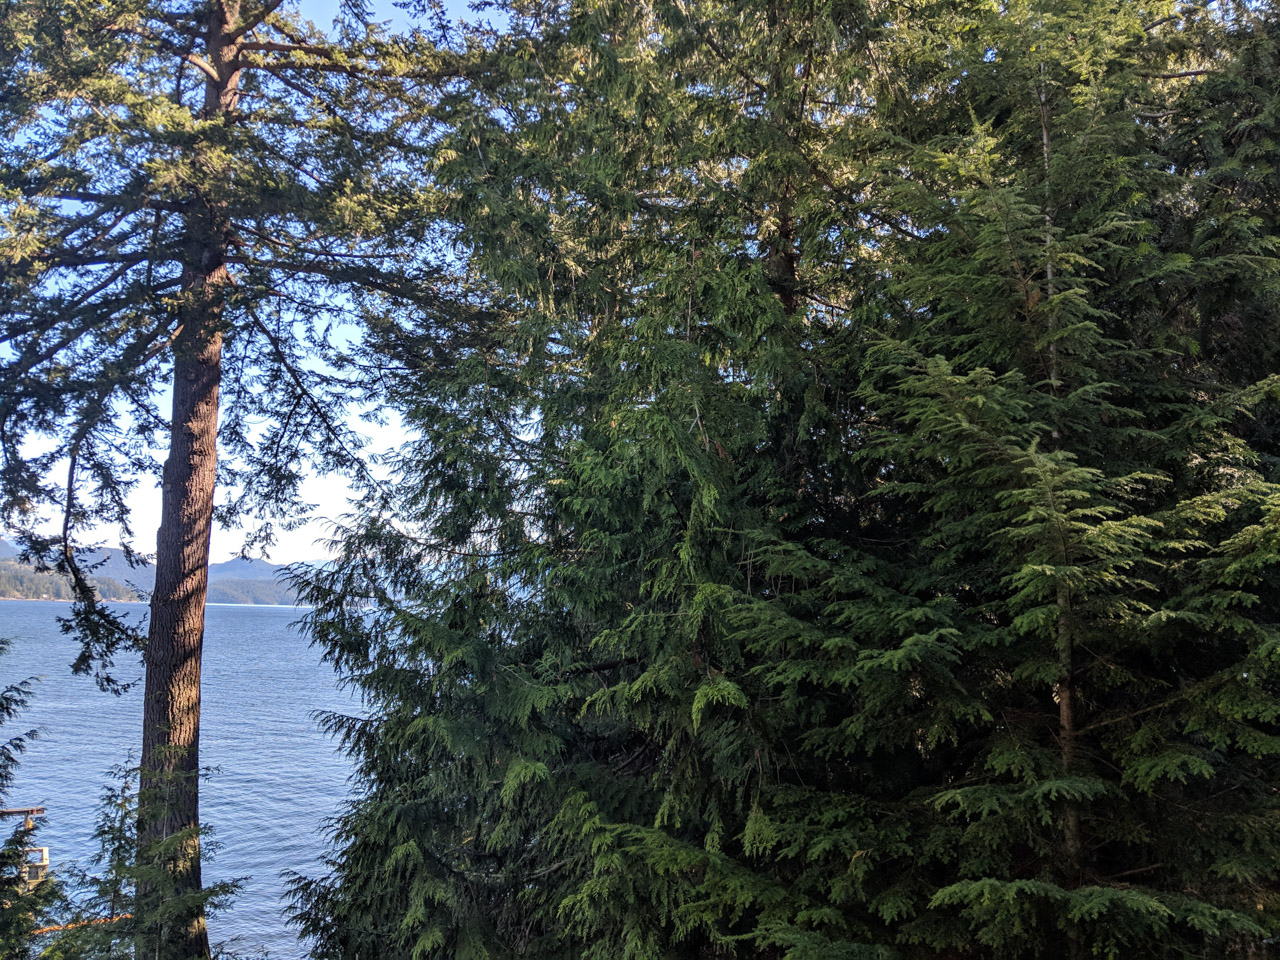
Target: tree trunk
column 170, row 905
column 169, row 799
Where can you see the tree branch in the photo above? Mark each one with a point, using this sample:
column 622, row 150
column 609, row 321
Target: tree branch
column 169, row 47
column 1177, row 75
column 109, row 200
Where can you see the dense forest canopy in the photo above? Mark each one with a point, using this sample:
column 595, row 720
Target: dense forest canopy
column 852, row 536
column 838, row 513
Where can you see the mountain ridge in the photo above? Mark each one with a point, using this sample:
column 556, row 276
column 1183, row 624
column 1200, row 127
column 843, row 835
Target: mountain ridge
column 231, row 581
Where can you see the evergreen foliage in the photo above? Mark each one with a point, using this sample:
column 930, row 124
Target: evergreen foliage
column 22, row 905
column 119, row 182
column 95, row 917
column 852, row 532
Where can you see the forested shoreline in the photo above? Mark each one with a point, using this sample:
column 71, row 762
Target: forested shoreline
column 837, row 514
column 19, row 581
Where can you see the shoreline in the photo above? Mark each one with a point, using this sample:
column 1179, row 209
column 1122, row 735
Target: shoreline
column 284, row 606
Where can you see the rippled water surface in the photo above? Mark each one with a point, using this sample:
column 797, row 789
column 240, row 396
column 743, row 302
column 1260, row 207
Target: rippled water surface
column 279, row 777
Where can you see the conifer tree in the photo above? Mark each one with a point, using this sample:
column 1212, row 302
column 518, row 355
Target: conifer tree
column 853, row 532
column 190, row 196
column 646, row 311
column 1089, row 477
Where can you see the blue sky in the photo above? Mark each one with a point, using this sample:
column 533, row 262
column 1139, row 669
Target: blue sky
column 322, row 12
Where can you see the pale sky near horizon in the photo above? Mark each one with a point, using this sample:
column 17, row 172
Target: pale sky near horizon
column 330, row 494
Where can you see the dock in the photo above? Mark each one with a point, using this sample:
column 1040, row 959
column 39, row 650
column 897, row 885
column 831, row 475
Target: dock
column 35, row 860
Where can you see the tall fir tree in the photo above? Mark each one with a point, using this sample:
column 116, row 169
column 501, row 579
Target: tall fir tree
column 852, row 532
column 191, row 195
column 575, row 478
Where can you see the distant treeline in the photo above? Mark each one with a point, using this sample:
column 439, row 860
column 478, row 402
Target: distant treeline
column 20, row 582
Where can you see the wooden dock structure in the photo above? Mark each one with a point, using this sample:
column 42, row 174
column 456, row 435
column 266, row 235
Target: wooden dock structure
column 35, row 860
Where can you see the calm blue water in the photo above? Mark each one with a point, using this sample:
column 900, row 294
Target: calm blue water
column 279, row 776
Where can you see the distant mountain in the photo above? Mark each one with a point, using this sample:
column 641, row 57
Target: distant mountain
column 240, row 569
column 111, row 563
column 232, row 581
column 233, row 590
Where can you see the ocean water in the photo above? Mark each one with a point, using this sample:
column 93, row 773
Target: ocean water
column 278, row 777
